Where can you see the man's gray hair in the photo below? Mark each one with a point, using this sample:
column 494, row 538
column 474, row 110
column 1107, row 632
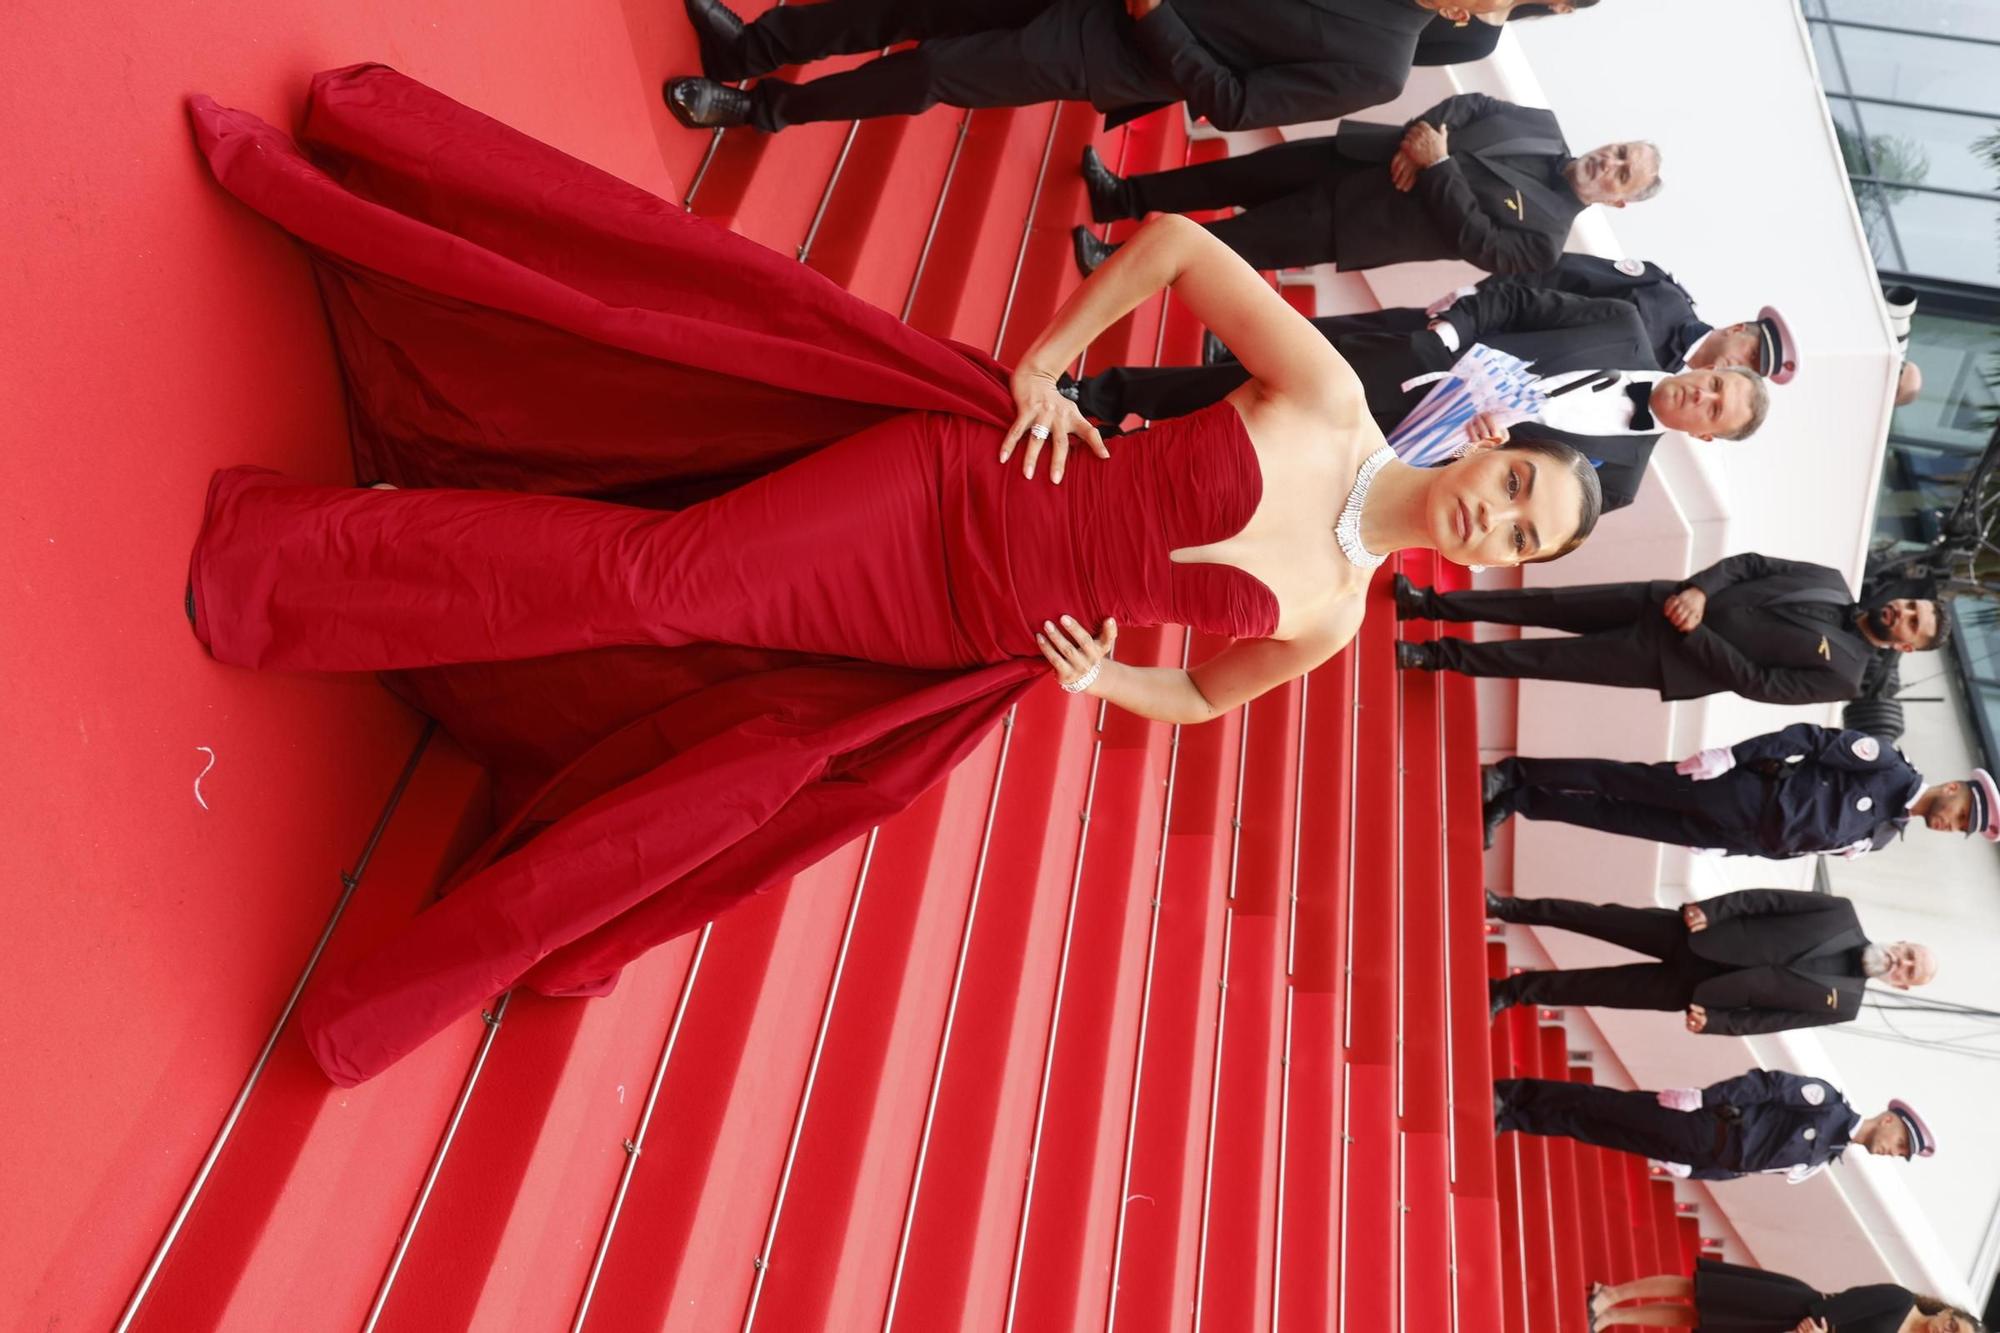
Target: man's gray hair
column 1653, row 186
column 1760, row 402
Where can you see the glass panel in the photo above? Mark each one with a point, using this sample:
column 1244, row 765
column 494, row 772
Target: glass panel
column 1947, row 237
column 1917, row 482
column 1967, row 18
column 1956, row 409
column 1926, row 147
column 1915, row 68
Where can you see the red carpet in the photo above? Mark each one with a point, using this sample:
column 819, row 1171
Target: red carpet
column 1121, row 1025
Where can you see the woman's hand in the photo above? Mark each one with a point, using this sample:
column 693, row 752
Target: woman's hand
column 1811, row 1325
column 1485, row 429
column 1073, row 652
column 1043, row 416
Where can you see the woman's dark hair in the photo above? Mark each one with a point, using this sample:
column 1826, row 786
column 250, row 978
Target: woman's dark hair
column 1930, row 1305
column 1591, row 504
column 1543, row 11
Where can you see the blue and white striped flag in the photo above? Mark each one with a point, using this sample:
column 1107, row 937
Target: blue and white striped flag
column 1482, row 381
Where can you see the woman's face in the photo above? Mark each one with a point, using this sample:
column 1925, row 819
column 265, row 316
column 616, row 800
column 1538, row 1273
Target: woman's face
column 1945, row 1321
column 1503, row 507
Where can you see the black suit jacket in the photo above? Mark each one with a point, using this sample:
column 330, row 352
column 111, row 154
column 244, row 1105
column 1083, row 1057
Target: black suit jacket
column 1278, row 62
column 1772, row 654
column 1556, row 331
column 1765, row 938
column 1504, row 212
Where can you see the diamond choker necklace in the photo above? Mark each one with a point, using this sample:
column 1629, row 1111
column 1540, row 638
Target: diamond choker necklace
column 1347, row 530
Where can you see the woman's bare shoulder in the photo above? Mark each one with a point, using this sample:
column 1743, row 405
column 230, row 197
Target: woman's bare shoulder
column 1333, row 620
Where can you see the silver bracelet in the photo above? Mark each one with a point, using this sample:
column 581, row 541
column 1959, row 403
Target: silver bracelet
column 1086, row 680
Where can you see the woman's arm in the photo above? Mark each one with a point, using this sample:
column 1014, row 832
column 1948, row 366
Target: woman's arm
column 1278, row 346
column 1234, row 676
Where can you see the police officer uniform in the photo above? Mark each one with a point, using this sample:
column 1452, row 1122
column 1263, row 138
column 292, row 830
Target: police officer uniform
column 1803, row 790
column 1764, row 1121
column 1667, row 309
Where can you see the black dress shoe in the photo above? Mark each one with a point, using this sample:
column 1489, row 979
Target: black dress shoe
column 1497, row 908
column 1090, row 252
column 1492, row 782
column 1066, row 386
column 704, row 104
column 1213, row 352
column 1498, row 998
column 1106, row 189
column 1409, row 599
column 1415, row 656
column 717, row 33
column 1496, row 813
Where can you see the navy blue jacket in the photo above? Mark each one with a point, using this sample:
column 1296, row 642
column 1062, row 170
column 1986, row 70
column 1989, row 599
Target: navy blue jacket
column 1783, row 1122
column 1827, row 790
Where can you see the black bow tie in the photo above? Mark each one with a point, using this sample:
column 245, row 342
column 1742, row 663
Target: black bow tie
column 1641, row 394
column 1642, row 405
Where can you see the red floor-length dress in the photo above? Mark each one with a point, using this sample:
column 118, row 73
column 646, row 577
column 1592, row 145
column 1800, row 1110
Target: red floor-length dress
column 712, row 563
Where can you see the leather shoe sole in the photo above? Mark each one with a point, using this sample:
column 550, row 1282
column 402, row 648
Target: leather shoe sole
column 704, row 104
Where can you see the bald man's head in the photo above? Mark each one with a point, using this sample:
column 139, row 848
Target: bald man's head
column 1909, row 383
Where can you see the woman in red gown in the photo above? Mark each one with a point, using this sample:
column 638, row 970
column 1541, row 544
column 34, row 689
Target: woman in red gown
column 715, row 565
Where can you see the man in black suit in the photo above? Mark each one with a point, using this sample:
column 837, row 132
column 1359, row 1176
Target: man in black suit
column 1238, row 66
column 1605, row 394
column 1757, row 960
column 1473, row 178
column 1800, row 791
column 1777, row 631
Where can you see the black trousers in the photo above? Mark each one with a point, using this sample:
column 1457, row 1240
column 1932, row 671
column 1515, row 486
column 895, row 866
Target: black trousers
column 1660, row 934
column 994, row 53
column 1395, row 319
column 1384, row 361
column 1633, row 1122
column 1648, row 801
column 1616, row 630
column 1157, row 392
column 1286, row 193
